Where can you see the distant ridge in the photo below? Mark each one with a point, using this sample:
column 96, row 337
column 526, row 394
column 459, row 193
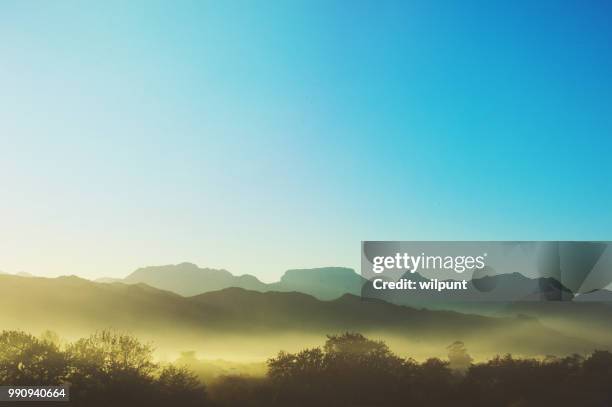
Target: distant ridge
column 327, row 283
column 188, row 279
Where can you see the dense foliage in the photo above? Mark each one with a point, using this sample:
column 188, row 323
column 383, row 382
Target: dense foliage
column 112, row 369
column 352, row 370
column 106, row 369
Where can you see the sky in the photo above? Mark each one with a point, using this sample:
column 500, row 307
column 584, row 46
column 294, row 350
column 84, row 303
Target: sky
column 260, row 136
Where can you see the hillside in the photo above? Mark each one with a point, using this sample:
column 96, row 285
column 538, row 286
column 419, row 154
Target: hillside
column 73, row 306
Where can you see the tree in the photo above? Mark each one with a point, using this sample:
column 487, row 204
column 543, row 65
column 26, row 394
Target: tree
column 110, row 367
column 27, row 360
column 181, row 387
column 242, row 391
column 305, row 365
column 345, row 371
column 434, row 383
column 596, row 378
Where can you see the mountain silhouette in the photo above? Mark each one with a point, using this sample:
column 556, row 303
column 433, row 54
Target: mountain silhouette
column 75, row 306
column 325, row 283
column 188, row 279
column 328, row 283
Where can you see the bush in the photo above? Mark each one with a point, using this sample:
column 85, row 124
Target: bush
column 113, row 369
column 105, row 369
column 25, row 359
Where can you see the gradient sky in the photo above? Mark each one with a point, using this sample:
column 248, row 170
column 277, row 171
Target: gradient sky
column 259, row 136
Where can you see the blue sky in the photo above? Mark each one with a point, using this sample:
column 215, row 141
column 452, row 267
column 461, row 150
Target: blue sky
column 259, row 136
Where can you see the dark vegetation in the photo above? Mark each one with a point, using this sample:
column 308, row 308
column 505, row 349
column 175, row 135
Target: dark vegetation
column 105, row 369
column 113, row 369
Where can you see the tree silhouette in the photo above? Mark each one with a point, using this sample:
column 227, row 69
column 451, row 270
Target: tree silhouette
column 346, row 370
column 111, row 368
column 114, row 369
column 181, row 387
column 27, row 360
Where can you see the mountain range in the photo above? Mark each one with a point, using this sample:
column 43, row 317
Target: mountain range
column 75, row 306
column 184, row 303
column 188, row 279
column 328, row 283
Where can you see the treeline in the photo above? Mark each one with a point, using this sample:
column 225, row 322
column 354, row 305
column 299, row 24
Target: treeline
column 112, row 369
column 105, row 369
column 351, row 370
